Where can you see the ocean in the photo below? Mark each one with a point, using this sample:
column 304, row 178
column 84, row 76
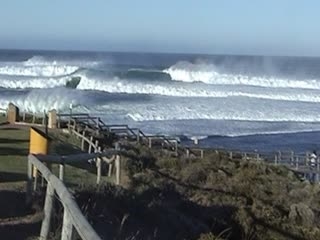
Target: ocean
column 233, row 102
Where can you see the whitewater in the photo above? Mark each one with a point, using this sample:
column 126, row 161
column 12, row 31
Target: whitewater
column 183, row 95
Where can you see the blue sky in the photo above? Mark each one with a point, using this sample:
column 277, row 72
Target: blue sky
column 272, row 27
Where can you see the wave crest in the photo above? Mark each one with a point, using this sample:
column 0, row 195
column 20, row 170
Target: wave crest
column 209, row 74
column 39, row 100
column 38, row 71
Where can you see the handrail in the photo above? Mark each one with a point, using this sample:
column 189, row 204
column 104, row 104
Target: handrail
column 73, row 217
column 72, row 114
column 85, row 139
column 76, row 158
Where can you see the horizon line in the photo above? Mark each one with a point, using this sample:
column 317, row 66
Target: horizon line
column 155, row 52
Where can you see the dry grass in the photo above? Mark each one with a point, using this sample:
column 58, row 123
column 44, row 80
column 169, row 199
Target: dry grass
column 211, row 198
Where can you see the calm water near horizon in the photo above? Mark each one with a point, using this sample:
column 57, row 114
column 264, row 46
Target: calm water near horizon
column 239, row 102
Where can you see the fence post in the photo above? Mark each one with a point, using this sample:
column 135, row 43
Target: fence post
column 275, row 159
column 176, row 147
column 138, row 135
column 29, row 184
column 188, row 152
column 117, row 165
column 35, row 183
column 67, row 227
column 48, row 208
column 201, row 153
column 96, row 144
column 150, row 142
column 61, row 171
column 110, row 169
column 82, row 140
column 90, row 144
column 99, row 167
column 279, row 157
column 297, row 163
column 230, row 155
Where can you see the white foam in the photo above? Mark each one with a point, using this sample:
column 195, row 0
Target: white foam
column 173, row 109
column 40, row 70
column 209, row 74
column 42, row 61
column 31, row 82
column 39, row 100
column 116, row 85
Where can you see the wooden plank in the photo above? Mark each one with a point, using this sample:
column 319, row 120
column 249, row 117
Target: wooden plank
column 76, row 158
column 67, row 228
column 98, row 170
column 61, row 171
column 29, row 184
column 48, row 209
column 117, row 163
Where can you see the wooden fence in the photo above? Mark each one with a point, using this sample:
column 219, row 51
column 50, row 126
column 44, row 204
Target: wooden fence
column 297, row 162
column 72, row 217
column 94, row 124
column 93, row 147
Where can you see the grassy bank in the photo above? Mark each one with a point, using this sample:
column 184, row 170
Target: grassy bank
column 14, row 149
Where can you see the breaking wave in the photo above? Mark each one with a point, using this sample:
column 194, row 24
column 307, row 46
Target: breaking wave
column 42, row 61
column 13, row 82
column 209, row 74
column 116, row 85
column 41, row 67
column 38, row 71
column 39, row 100
column 172, row 89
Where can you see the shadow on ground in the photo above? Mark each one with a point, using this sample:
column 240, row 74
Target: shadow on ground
column 13, row 204
column 12, row 177
column 9, row 141
column 21, row 231
column 15, row 217
column 157, row 213
column 4, row 151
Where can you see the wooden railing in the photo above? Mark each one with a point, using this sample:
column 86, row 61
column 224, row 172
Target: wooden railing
column 72, row 217
column 93, row 147
column 298, row 162
column 95, row 123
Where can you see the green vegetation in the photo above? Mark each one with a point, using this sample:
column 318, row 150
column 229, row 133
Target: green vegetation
column 14, row 148
column 211, row 198
column 165, row 197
